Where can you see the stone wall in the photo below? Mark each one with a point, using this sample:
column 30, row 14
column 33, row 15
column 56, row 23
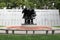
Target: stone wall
column 13, row 17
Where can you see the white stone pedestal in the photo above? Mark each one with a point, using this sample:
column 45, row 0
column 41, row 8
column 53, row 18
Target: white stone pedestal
column 30, row 25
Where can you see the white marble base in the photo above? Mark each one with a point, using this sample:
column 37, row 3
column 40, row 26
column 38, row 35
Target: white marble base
column 29, row 25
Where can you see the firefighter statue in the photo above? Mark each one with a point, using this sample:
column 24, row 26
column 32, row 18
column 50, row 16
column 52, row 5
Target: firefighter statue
column 28, row 15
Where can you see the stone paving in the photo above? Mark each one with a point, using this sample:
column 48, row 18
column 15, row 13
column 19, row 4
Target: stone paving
column 29, row 28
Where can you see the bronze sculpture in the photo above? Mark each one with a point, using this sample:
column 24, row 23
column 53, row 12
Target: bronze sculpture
column 29, row 15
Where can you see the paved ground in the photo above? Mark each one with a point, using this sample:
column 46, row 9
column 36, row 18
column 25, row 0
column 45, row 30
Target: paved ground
column 29, row 28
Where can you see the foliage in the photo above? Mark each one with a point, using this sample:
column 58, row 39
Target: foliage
column 2, row 5
column 30, row 3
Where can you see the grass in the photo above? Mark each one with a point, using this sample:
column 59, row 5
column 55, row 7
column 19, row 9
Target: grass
column 2, row 26
column 57, row 26
column 29, row 37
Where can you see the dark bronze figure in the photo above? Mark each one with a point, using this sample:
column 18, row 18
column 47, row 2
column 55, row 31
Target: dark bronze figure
column 29, row 15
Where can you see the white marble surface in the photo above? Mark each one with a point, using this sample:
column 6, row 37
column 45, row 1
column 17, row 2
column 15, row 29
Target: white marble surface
column 9, row 17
